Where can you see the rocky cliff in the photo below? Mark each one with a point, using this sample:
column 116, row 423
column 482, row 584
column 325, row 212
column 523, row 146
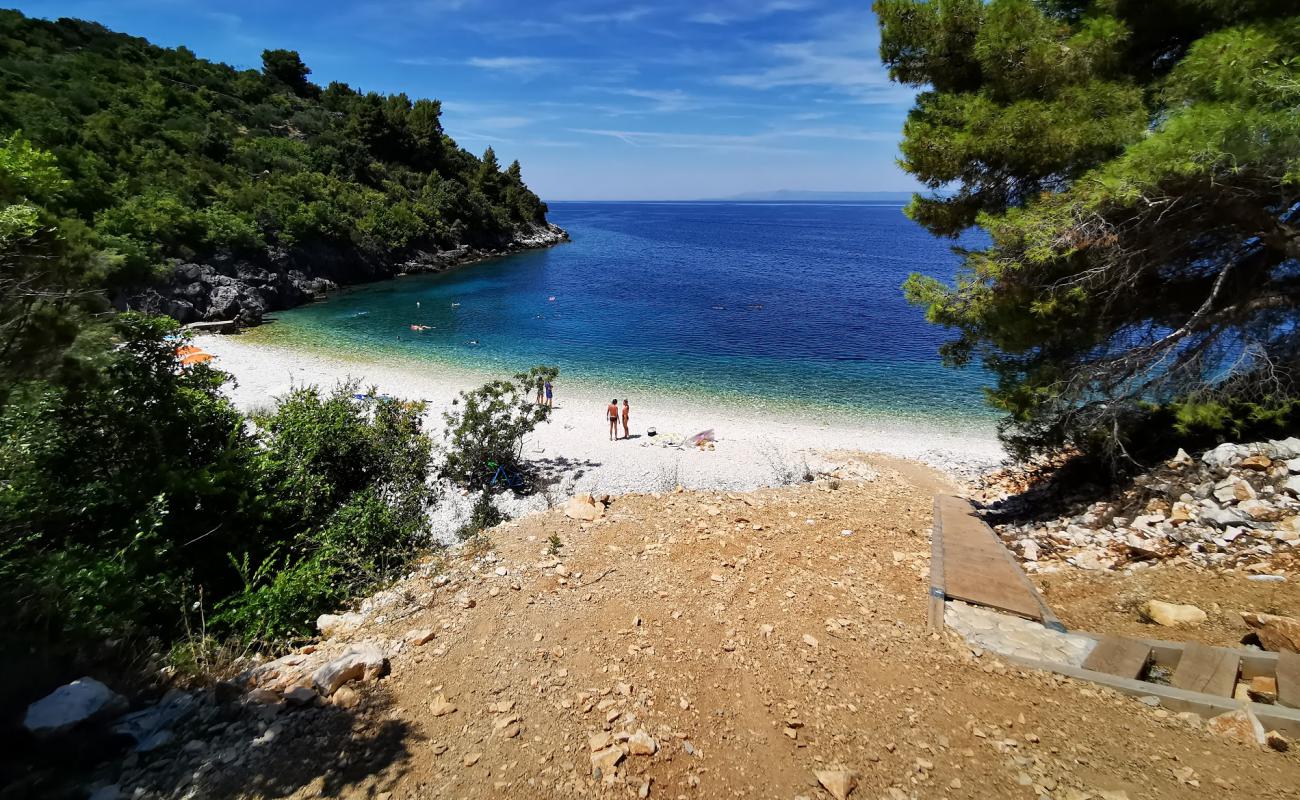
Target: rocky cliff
column 243, row 289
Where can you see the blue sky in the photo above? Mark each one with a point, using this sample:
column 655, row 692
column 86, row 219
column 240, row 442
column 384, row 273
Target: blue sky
column 598, row 100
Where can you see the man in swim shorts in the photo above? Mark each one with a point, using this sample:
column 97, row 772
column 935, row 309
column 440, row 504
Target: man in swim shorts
column 611, row 413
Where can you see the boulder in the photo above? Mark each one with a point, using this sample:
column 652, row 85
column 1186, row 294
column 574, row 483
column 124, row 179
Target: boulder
column 1240, row 725
column 1182, row 459
column 839, row 782
column 584, row 507
column 1181, row 513
column 1233, row 489
column 605, row 760
column 149, row 726
column 1286, row 448
column 1171, row 615
column 359, row 662
column 332, row 625
column 1258, row 463
column 641, row 744
column 1260, row 510
column 84, row 700
column 1275, row 633
column 1224, row 456
column 1292, row 485
column 1092, row 559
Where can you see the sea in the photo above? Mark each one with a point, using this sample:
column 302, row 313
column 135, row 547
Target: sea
column 780, row 308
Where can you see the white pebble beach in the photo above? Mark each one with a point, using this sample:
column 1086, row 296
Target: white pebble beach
column 752, row 449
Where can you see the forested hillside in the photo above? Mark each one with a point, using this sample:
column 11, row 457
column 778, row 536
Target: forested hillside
column 263, row 184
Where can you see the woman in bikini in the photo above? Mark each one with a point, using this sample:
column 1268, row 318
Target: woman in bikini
column 625, row 413
column 611, row 413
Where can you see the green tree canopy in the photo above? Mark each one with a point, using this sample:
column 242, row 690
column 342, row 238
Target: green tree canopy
column 167, row 156
column 286, row 67
column 1136, row 165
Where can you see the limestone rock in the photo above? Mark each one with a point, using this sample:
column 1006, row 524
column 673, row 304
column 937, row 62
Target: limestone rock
column 1233, row 489
column 1171, row 614
column 839, row 782
column 1240, row 725
column 358, row 662
column 605, row 760
column 70, row 705
column 420, row 637
column 1224, row 455
column 346, row 697
column 641, row 744
column 334, row 625
column 1258, row 463
column 584, row 507
column 1260, row 510
column 1093, row 559
column 1275, row 633
column 441, row 706
column 300, row 695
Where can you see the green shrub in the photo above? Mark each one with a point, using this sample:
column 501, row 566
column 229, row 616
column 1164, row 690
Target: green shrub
column 484, row 516
column 349, row 474
column 487, row 426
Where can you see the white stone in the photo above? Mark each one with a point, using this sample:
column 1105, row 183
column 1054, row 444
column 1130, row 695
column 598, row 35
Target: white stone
column 332, row 625
column 358, row 662
column 1172, row 614
column 71, row 704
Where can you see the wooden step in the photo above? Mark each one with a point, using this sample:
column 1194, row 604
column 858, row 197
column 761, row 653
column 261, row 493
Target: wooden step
column 1288, row 679
column 1210, row 670
column 1118, row 655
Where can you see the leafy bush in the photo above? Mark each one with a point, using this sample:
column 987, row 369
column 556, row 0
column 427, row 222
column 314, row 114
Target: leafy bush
column 483, row 516
column 122, row 494
column 349, row 474
column 487, row 426
column 116, row 485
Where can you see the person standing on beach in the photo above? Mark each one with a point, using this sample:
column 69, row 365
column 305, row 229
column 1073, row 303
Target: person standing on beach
column 550, row 396
column 626, row 409
column 611, row 413
column 538, row 400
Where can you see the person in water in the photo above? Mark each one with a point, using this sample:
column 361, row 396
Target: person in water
column 550, row 395
column 611, row 413
column 626, row 409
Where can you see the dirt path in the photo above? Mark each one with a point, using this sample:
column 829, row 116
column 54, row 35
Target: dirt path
column 756, row 643
column 750, row 641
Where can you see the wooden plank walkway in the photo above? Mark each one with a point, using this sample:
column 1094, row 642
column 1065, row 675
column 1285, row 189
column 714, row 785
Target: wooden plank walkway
column 1205, row 669
column 1288, row 679
column 1119, row 655
column 969, row 563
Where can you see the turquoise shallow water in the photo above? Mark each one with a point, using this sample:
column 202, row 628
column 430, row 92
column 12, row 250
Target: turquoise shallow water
column 779, row 308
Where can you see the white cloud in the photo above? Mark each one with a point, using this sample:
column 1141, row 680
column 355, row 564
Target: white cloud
column 747, row 11
column 840, row 55
column 611, row 17
column 511, row 63
column 664, row 101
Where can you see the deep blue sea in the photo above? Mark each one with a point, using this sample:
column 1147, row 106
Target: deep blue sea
column 774, row 307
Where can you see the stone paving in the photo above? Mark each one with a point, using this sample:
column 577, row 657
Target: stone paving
column 1013, row 636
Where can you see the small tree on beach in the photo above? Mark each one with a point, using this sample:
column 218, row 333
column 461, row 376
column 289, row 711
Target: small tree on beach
column 486, row 427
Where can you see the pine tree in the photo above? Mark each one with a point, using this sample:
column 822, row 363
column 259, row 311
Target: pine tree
column 1136, row 166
